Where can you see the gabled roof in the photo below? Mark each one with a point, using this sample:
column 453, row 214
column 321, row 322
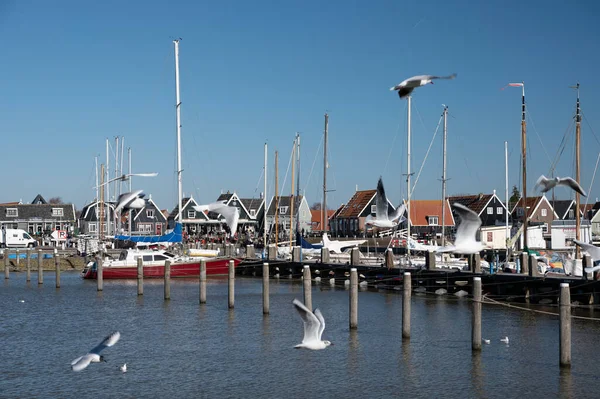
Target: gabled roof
column 533, row 204
column 561, row 207
column 252, row 203
column 476, row 203
column 421, row 209
column 186, row 202
column 39, row 200
column 337, row 211
column 317, row 214
column 42, row 212
column 284, row 202
column 357, row 204
column 150, row 204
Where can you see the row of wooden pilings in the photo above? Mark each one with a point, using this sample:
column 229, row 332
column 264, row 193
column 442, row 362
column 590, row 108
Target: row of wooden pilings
column 40, row 270
column 564, row 314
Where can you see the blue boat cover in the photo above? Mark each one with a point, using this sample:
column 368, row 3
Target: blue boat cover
column 305, row 244
column 174, row 235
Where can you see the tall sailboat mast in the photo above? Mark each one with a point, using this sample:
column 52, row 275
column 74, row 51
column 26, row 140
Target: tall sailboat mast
column 265, row 202
column 324, row 220
column 444, row 177
column 292, row 196
column 577, row 173
column 506, row 194
column 178, row 109
column 297, row 229
column 276, row 199
column 409, row 99
column 524, row 156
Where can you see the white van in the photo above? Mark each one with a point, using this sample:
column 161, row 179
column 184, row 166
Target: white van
column 16, row 238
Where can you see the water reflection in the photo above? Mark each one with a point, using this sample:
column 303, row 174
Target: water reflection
column 565, row 386
column 477, row 375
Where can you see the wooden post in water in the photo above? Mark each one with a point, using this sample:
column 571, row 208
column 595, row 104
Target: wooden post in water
column 17, row 260
column 296, row 254
column 28, row 265
column 406, row 297
column 250, row 253
column 587, row 262
column 476, row 318
column 389, row 259
column 324, row 255
column 477, row 262
column 99, row 271
column 524, row 260
column 167, row 282
column 40, row 269
column 353, row 299
column 430, row 260
column 533, row 269
column 271, row 252
column 140, row 276
column 231, row 295
column 355, row 257
column 307, row 288
column 265, row 279
column 565, row 325
column 57, row 265
column 203, row 281
column 6, row 265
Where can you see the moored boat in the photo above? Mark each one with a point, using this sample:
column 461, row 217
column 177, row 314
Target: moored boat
column 154, row 265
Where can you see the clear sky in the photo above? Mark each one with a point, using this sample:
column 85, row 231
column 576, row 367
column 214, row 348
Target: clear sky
column 76, row 73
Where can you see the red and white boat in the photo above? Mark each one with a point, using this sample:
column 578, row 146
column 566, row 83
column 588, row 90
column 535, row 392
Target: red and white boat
column 154, row 265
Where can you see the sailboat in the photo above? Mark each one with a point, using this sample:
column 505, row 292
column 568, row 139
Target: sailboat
column 154, row 259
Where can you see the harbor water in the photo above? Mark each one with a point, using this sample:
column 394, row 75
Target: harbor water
column 181, row 349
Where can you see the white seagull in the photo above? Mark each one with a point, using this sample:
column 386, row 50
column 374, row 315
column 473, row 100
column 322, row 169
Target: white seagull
column 94, row 355
column 505, row 340
column 123, row 368
column 382, row 218
column 314, row 324
column 593, row 251
column 486, row 341
column 548, row 184
column 407, row 86
column 131, row 200
column 465, row 242
column 230, row 213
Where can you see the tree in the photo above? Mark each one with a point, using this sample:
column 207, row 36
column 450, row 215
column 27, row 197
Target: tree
column 55, row 201
column 316, row 206
column 516, row 195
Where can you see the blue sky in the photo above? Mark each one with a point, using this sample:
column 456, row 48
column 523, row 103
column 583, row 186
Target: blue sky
column 76, row 73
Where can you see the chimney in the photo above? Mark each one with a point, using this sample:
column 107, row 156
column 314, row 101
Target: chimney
column 494, row 191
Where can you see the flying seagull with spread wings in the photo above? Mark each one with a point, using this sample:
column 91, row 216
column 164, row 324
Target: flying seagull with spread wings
column 465, row 242
column 94, row 355
column 548, row 184
column 314, row 324
column 382, row 218
column 407, row 86
column 230, row 213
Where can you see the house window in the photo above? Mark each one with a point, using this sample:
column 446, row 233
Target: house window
column 252, row 213
column 499, row 210
column 490, row 210
column 283, row 210
column 544, row 213
column 57, row 212
column 544, row 226
column 191, row 215
column 93, row 227
column 373, row 208
column 150, row 213
column 14, row 212
column 432, row 220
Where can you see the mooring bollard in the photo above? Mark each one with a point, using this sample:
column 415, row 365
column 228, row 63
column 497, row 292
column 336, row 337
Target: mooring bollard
column 476, row 318
column 57, row 265
column 271, row 252
column 297, row 254
column 140, row 276
column 389, row 259
column 167, row 280
column 99, row 272
column 250, row 253
column 430, row 260
column 307, row 285
column 28, row 265
column 406, row 297
column 533, row 268
column 6, row 265
column 524, row 260
column 231, row 295
column 353, row 299
column 40, row 269
column 265, row 278
column 202, row 281
column 565, row 325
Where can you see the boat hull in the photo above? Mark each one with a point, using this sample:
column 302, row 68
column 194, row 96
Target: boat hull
column 218, row 266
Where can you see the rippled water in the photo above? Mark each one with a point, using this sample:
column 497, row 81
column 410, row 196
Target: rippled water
column 182, row 349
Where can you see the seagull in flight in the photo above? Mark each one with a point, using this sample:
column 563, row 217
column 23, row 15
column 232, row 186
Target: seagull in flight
column 314, row 324
column 407, row 86
column 230, row 213
column 94, row 355
column 131, row 200
column 465, row 242
column 593, row 251
column 382, row 218
column 548, row 184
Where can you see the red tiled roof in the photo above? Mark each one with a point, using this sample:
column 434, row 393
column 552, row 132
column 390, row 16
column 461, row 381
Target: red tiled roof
column 316, row 215
column 357, row 203
column 531, row 204
column 420, row 209
column 476, row 203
